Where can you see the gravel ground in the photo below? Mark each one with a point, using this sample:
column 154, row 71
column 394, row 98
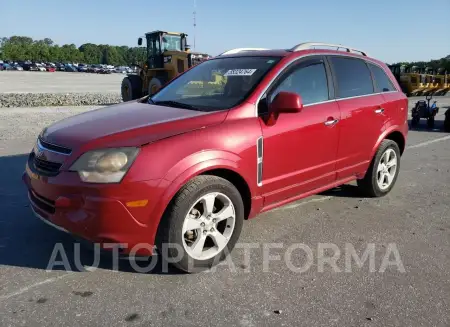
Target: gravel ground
column 414, row 216
column 12, row 100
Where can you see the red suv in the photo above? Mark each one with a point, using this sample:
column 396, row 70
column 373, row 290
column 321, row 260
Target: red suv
column 242, row 133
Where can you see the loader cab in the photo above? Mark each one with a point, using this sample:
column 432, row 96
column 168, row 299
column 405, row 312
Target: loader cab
column 160, row 45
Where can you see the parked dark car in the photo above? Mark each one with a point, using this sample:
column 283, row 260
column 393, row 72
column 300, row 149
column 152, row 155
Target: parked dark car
column 82, row 68
column 94, row 68
column 16, row 67
column 60, row 67
column 30, row 67
column 70, row 68
column 5, row 66
column 104, row 71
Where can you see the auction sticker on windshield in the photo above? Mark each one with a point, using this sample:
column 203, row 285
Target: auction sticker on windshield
column 240, row 72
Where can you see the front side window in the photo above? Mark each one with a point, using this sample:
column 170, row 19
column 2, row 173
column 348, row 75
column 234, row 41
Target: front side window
column 215, row 84
column 382, row 81
column 310, row 82
column 352, row 76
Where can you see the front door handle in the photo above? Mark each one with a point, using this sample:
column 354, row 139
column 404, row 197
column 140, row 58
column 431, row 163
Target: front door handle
column 379, row 111
column 331, row 122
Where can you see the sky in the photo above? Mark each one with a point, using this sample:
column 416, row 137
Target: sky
column 389, row 30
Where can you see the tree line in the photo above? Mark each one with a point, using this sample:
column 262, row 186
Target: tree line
column 21, row 48
column 434, row 64
column 25, row 48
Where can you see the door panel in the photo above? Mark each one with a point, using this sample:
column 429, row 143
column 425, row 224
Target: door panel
column 396, row 108
column 362, row 122
column 362, row 114
column 300, row 152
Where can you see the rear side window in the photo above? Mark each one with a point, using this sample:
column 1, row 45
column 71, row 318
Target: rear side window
column 352, row 76
column 382, row 81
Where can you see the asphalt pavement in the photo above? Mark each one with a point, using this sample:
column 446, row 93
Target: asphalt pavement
column 58, row 82
column 408, row 283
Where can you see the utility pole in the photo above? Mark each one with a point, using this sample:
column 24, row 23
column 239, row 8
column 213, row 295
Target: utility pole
column 194, row 19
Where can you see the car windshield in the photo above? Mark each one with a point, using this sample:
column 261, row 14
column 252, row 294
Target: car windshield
column 215, row 84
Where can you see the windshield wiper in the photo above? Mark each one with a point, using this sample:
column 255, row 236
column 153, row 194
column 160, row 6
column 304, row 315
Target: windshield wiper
column 175, row 104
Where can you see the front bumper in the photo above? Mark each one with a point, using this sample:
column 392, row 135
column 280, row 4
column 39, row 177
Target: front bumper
column 96, row 213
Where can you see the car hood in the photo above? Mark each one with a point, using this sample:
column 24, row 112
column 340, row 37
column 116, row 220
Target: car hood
column 127, row 124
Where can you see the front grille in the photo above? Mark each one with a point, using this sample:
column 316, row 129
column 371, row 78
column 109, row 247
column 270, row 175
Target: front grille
column 54, row 147
column 42, row 203
column 48, row 168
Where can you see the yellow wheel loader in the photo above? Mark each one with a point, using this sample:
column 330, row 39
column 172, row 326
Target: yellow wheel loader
column 167, row 55
column 407, row 79
column 426, row 82
column 444, row 77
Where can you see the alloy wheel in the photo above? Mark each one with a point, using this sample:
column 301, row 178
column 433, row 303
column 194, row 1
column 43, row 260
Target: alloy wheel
column 387, row 168
column 208, row 226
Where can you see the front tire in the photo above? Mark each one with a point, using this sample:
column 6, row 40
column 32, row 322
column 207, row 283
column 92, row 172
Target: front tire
column 201, row 224
column 154, row 85
column 131, row 88
column 383, row 170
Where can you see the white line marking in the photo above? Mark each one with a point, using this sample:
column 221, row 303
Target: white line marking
column 295, row 205
column 428, row 142
column 27, row 288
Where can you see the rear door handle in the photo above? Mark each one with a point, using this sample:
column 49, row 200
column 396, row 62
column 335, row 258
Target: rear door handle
column 331, row 122
column 379, row 111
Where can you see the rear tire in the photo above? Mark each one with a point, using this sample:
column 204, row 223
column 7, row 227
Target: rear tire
column 447, row 121
column 430, row 122
column 131, row 88
column 201, row 224
column 383, row 171
column 415, row 121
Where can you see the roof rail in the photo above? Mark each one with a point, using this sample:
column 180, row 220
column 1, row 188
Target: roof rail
column 237, row 50
column 313, row 45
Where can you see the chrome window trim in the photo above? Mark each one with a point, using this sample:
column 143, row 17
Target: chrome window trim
column 42, row 147
column 320, row 102
column 331, row 100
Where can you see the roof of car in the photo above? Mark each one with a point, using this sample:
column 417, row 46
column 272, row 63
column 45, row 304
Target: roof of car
column 259, row 53
column 311, row 47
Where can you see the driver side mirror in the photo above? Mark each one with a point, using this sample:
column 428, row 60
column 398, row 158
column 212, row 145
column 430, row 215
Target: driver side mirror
column 286, row 102
column 140, row 41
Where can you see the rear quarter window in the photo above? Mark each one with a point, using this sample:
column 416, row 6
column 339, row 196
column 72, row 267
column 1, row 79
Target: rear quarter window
column 382, row 81
column 352, row 77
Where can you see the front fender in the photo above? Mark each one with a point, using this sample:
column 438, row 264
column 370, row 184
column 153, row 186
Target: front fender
column 180, row 174
column 207, row 158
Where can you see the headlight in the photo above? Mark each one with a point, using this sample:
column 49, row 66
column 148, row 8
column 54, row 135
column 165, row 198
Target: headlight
column 167, row 59
column 105, row 166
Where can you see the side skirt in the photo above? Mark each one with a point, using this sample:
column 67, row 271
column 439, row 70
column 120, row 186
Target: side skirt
column 312, row 192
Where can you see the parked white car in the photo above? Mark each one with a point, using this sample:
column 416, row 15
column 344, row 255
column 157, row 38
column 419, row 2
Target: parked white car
column 123, row 70
column 41, row 67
